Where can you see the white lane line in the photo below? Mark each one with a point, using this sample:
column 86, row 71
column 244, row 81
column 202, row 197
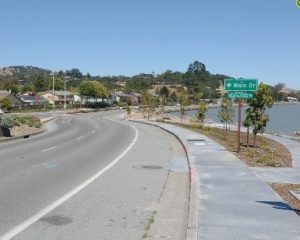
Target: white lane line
column 48, row 149
column 81, row 137
column 27, row 223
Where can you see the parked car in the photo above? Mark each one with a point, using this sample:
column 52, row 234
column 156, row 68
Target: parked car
column 1, row 112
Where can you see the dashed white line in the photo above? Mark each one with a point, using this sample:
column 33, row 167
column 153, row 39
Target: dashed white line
column 48, row 149
column 27, row 223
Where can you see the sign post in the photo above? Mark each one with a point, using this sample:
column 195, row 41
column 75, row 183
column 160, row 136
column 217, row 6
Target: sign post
column 240, row 89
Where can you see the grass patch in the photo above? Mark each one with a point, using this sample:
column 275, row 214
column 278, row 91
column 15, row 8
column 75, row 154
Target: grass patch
column 267, row 152
column 150, row 221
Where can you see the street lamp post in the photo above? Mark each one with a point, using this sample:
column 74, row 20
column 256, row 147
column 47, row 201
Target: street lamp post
column 53, row 106
column 53, row 101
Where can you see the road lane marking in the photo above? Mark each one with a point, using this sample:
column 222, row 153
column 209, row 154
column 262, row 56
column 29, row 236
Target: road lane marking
column 48, row 149
column 28, row 222
column 81, row 137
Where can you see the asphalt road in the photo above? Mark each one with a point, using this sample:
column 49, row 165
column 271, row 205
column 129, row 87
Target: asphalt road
column 87, row 177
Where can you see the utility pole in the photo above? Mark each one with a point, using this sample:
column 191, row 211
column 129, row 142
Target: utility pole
column 65, row 97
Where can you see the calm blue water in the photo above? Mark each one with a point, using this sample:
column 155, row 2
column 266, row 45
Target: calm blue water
column 284, row 118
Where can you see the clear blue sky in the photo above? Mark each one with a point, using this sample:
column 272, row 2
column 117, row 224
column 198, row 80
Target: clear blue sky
column 250, row 39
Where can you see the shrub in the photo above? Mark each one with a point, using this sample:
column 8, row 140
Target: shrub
column 6, row 122
column 17, row 120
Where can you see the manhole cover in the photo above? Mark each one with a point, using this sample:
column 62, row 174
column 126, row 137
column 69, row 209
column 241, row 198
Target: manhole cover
column 148, row 167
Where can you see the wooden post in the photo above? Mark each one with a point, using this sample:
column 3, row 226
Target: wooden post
column 239, row 126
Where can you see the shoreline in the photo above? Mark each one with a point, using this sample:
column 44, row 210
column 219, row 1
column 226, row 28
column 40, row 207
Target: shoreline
column 278, row 116
column 169, row 109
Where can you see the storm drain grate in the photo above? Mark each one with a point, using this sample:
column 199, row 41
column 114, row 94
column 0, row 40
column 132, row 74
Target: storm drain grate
column 148, row 167
column 197, row 142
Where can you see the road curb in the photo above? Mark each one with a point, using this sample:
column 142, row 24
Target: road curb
column 8, row 139
column 192, row 226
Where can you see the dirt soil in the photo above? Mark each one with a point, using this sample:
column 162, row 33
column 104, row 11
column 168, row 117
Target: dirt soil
column 266, row 153
column 24, row 130
column 283, row 191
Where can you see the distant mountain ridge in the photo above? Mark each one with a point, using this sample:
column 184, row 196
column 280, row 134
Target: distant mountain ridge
column 21, row 72
column 31, row 73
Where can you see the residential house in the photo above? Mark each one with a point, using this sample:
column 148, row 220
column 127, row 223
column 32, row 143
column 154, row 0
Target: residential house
column 29, row 100
column 59, row 97
column 15, row 102
column 128, row 98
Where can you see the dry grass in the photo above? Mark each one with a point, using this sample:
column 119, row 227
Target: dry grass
column 267, row 153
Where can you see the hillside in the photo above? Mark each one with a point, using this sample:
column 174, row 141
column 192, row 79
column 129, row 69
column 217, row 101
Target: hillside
column 21, row 72
column 197, row 80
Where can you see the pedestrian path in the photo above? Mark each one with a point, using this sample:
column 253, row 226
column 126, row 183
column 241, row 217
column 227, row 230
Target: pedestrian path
column 283, row 175
column 234, row 203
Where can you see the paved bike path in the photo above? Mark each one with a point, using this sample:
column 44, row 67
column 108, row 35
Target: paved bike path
column 234, row 202
column 283, row 175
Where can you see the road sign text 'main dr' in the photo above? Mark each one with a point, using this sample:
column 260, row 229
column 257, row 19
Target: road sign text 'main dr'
column 249, row 85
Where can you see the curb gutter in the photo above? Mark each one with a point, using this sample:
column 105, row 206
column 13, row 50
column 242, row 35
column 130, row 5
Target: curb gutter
column 192, row 226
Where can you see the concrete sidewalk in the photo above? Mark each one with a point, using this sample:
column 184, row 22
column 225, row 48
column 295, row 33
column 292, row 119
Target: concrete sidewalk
column 283, row 175
column 234, row 203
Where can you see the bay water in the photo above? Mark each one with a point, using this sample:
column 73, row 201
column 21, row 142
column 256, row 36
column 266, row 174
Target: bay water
column 284, row 118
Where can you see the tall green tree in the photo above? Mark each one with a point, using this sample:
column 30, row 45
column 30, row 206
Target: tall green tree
column 196, row 68
column 14, row 89
column 277, row 92
column 256, row 112
column 164, row 91
column 58, row 84
column 183, row 99
column 40, row 83
column 93, row 89
column 128, row 111
column 5, row 104
column 149, row 103
column 226, row 112
column 202, row 108
column 162, row 106
column 28, row 87
column 11, row 86
column 247, row 124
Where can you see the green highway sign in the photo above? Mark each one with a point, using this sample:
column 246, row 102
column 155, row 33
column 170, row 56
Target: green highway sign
column 240, row 85
column 240, row 95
